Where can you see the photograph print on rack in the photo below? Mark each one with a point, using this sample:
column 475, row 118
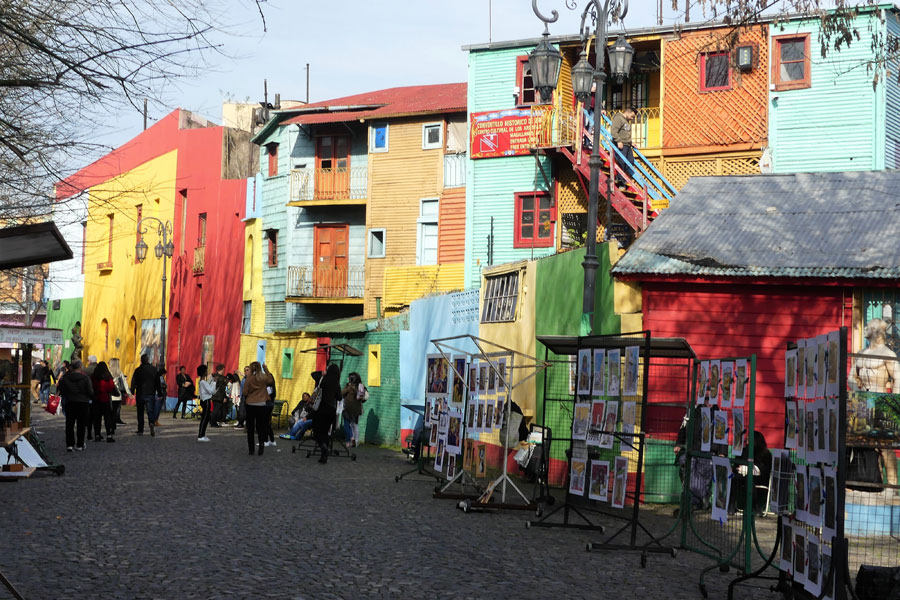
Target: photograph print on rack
column 790, row 425
column 800, row 487
column 609, row 424
column 811, row 349
column 481, row 461
column 473, row 378
column 799, row 550
column 821, row 367
column 439, row 456
column 702, row 381
column 801, row 369
column 613, row 371
column 831, row 430
column 584, row 372
column 599, row 489
column 705, row 429
column 597, row 385
column 459, row 382
column 479, row 417
column 829, row 492
column 821, row 430
column 482, row 378
column 436, row 374
column 629, row 415
column 580, row 420
column 468, row 454
column 489, row 416
column 727, row 384
column 492, row 379
column 813, row 570
column 720, row 427
column 454, row 432
column 451, row 465
column 786, row 563
column 470, row 416
column 832, row 358
column 620, row 482
column 741, row 379
column 596, row 422
column 502, row 376
column 737, row 430
column 632, row 363
column 715, row 374
column 814, row 496
column 576, row 477
column 721, row 488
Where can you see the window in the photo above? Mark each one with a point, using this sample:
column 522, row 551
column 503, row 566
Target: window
column 272, row 237
column 83, row 243
column 427, row 238
column 379, row 138
column 374, row 372
column 432, row 136
column 790, row 62
column 524, row 83
column 104, row 324
column 287, row 363
column 535, row 215
column 109, row 245
column 501, row 295
column 140, row 214
column 201, row 230
column 376, row 243
column 184, row 202
column 715, row 72
column 272, row 153
column 245, row 320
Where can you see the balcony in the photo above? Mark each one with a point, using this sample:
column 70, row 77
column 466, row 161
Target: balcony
column 312, row 282
column 199, row 260
column 402, row 285
column 455, row 170
column 329, row 186
column 645, row 129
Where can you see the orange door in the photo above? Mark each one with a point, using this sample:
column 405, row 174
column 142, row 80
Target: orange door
column 331, row 261
column 333, row 167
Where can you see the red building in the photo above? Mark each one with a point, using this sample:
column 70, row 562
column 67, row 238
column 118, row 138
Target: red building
column 741, row 265
column 193, row 174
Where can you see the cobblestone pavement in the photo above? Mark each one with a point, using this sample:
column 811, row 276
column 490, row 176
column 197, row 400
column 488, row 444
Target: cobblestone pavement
column 167, row 517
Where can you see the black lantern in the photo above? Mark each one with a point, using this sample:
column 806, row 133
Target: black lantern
column 158, row 250
column 583, row 78
column 141, row 250
column 620, row 55
column 170, row 249
column 545, row 61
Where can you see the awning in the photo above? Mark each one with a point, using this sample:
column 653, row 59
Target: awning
column 659, row 347
column 35, row 244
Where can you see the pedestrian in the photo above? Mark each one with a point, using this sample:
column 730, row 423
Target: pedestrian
column 242, row 411
column 92, row 364
column 161, row 395
column 621, row 135
column 207, row 388
column 104, row 387
column 60, row 370
column 77, row 391
column 257, row 397
column 303, row 420
column 185, row 390
column 218, row 398
column 232, row 392
column 324, row 419
column 46, row 379
column 36, row 382
column 270, row 406
column 353, row 401
column 145, row 386
column 115, row 405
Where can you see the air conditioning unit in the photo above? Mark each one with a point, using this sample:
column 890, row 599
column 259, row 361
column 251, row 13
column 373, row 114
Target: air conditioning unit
column 56, row 304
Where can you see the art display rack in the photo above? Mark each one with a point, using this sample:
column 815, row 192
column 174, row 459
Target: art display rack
column 463, row 486
column 730, row 540
column 649, row 350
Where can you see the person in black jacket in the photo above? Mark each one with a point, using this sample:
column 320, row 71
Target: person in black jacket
column 145, row 387
column 185, row 391
column 218, row 398
column 325, row 414
column 77, row 391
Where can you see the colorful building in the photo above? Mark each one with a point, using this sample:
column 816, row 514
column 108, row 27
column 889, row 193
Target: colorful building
column 65, row 283
column 191, row 175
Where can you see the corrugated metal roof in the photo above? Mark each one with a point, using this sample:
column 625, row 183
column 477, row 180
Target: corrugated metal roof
column 821, row 225
column 349, row 325
column 392, row 102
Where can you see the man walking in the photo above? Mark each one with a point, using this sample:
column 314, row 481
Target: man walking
column 218, row 398
column 185, row 391
column 77, row 392
column 621, row 135
column 145, row 387
column 92, row 364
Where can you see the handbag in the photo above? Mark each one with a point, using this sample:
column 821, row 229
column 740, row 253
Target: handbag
column 316, row 399
column 53, row 404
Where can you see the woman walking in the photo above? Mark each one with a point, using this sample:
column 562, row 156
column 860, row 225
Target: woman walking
column 104, row 387
column 325, row 414
column 353, row 401
column 115, row 402
column 257, row 397
column 77, row 392
column 207, row 388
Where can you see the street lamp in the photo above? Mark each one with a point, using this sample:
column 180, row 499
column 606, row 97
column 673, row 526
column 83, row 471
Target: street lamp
column 587, row 80
column 164, row 249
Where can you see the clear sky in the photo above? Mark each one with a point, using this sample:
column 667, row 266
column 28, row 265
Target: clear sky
column 352, row 47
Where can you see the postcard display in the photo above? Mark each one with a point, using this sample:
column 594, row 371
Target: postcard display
column 608, row 408
column 468, row 402
column 809, row 474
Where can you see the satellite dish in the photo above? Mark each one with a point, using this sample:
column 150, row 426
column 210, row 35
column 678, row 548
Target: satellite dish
column 766, row 165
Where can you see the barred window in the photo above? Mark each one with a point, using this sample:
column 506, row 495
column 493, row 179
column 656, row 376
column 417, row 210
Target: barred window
column 501, row 295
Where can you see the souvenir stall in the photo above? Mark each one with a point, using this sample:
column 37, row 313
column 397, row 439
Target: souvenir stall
column 471, row 389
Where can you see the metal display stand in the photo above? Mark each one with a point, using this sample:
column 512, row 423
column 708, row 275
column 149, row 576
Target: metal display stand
column 575, row 506
column 421, row 462
column 473, row 347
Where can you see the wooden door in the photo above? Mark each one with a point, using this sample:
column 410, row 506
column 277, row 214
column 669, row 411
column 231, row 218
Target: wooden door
column 330, row 270
column 333, row 167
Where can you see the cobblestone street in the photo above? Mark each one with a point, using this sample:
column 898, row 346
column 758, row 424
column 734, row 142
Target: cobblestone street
column 166, row 517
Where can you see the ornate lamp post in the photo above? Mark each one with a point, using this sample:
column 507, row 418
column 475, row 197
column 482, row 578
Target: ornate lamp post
column 164, row 249
column 586, row 79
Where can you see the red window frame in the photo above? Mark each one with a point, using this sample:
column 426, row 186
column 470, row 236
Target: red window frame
column 272, row 237
column 521, row 100
column 703, row 58
column 797, row 84
column 201, row 230
column 272, row 152
column 139, row 237
column 521, row 240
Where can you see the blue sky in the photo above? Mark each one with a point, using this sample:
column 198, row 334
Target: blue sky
column 352, row 46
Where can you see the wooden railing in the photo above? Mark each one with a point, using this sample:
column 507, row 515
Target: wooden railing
column 645, row 129
column 199, row 260
column 552, row 126
column 307, row 281
column 329, row 184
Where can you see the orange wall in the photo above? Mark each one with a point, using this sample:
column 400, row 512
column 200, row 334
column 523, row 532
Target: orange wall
column 728, row 119
column 452, row 226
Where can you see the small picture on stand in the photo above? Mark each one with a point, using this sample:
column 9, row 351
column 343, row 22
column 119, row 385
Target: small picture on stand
column 702, row 381
column 741, row 378
column 433, row 440
column 727, row 384
column 436, row 374
column 831, row 430
column 821, row 430
column 632, row 361
column 576, row 477
column 829, row 491
column 473, row 378
column 790, row 373
column 599, row 489
column 790, row 425
column 613, row 371
column 459, row 384
column 620, row 482
column 451, row 466
column 705, row 429
column 470, row 416
column 821, row 368
column 629, row 414
column 799, row 555
column 787, row 534
column 596, row 422
column 573, row 368
column 489, row 415
column 801, row 369
column 492, row 380
column 479, row 417
column 454, row 432
column 814, row 495
column 439, row 456
column 482, row 378
column 801, row 513
column 720, row 427
column 502, row 381
column 481, row 461
column 468, row 454
column 580, row 420
column 599, row 370
column 812, row 585
column 427, row 412
column 584, row 372
column 609, row 424
column 825, row 570
column 715, row 370
column 801, row 430
column 810, row 432
column 499, row 412
column 811, row 349
column 721, row 488
column 832, row 356
column 737, row 430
